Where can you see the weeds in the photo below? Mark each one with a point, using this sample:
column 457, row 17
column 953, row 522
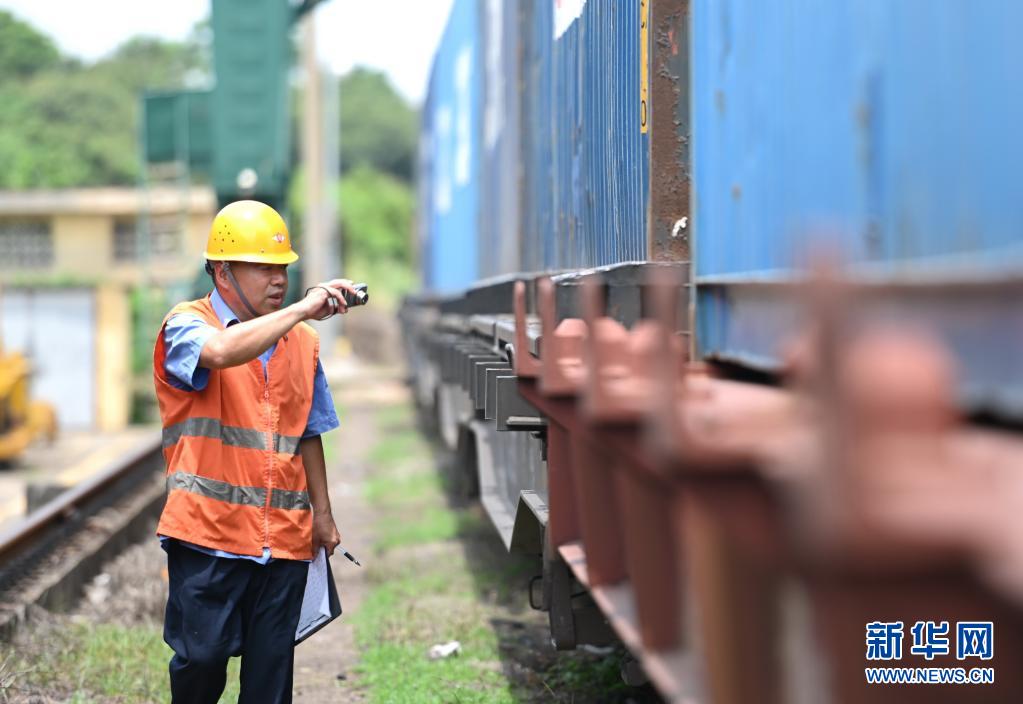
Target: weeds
column 443, row 575
column 94, row 663
column 397, row 446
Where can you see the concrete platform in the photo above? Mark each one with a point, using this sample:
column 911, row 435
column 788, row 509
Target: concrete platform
column 74, row 457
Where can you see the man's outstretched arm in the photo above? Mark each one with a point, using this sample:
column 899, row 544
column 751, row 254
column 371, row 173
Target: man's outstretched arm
column 244, row 342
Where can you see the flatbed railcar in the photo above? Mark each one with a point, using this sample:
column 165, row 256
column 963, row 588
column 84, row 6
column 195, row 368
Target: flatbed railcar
column 650, row 386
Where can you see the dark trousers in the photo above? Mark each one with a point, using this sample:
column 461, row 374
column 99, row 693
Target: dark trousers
column 221, row 607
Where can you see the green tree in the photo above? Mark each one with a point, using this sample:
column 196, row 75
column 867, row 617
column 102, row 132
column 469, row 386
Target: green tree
column 378, row 127
column 376, row 228
column 144, row 63
column 66, row 128
column 376, row 216
column 68, row 125
column 23, row 50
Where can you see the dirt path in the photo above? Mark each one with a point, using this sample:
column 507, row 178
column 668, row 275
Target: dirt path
column 325, row 664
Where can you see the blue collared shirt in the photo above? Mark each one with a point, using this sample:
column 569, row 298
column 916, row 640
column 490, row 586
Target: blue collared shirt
column 184, row 337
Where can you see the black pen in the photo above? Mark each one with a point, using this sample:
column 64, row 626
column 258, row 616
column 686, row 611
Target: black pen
column 349, row 555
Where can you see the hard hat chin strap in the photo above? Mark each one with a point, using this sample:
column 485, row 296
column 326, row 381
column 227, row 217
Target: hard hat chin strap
column 238, row 289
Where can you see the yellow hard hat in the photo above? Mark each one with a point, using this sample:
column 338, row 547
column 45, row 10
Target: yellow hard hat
column 249, row 231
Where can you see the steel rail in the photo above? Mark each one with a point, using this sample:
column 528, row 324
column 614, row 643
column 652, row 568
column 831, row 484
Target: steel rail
column 68, row 503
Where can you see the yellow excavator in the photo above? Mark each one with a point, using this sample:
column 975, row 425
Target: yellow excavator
column 22, row 420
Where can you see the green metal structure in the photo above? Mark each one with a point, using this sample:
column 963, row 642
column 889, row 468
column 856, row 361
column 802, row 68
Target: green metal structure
column 250, row 106
column 176, row 128
column 238, row 133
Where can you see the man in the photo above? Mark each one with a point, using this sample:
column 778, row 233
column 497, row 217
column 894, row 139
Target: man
column 243, row 401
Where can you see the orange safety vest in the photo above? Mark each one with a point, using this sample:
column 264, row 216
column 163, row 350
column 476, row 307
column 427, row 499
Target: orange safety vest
column 235, row 478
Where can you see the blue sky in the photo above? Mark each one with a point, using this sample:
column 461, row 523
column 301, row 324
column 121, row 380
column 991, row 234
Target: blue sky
column 395, row 36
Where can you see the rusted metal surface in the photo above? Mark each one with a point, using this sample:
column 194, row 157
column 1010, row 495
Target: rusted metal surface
column 905, row 513
column 670, row 228
column 561, row 365
column 649, row 546
column 791, row 516
column 563, row 526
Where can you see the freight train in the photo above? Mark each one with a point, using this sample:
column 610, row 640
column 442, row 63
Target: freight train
column 722, row 316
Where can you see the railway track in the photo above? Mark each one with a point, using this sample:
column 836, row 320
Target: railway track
column 48, row 557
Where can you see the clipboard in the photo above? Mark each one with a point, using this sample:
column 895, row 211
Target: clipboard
column 320, row 603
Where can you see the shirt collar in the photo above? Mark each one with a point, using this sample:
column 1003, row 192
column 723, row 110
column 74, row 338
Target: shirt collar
column 223, row 311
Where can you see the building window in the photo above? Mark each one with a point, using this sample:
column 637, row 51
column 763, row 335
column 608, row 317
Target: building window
column 25, row 244
column 164, row 238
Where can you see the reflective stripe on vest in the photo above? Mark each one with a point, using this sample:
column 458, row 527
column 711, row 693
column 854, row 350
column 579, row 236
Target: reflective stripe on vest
column 241, row 495
column 290, row 500
column 229, row 435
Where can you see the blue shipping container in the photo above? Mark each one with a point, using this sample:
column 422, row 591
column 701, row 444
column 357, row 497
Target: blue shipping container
column 586, row 158
column 891, row 126
column 501, row 169
column 452, row 130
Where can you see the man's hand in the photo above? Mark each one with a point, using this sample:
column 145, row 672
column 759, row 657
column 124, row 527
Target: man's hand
column 326, row 299
column 324, row 533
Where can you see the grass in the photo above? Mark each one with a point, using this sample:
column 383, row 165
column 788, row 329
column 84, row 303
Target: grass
column 399, row 673
column 430, row 597
column 399, row 445
column 568, row 674
column 394, row 416
column 408, row 491
column 440, row 575
column 403, row 616
column 433, row 525
column 403, row 490
column 395, row 630
column 96, row 663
